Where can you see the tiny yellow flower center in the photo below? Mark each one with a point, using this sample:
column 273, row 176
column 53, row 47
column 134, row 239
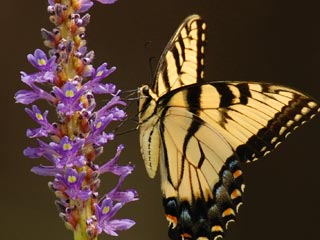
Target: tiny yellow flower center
column 67, row 147
column 69, row 93
column 98, row 125
column 39, row 116
column 105, row 209
column 42, row 62
column 72, row 179
column 99, row 73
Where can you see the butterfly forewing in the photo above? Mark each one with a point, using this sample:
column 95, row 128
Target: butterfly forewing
column 252, row 117
column 199, row 133
column 182, row 62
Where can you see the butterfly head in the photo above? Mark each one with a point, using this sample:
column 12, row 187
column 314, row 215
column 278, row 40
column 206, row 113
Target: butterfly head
column 144, row 90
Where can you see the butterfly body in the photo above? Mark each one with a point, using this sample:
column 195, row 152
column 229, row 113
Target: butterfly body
column 198, row 133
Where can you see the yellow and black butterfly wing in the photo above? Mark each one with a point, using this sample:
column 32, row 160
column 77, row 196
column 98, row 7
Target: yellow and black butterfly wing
column 181, row 64
column 201, row 180
column 206, row 131
column 253, row 117
column 182, row 61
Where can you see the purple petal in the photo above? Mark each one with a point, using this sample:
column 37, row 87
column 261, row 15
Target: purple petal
column 38, row 59
column 107, row 88
column 46, row 170
column 69, row 96
column 99, row 74
column 118, row 114
column 29, row 96
column 37, row 132
column 112, row 163
column 106, row 1
column 36, row 114
column 32, row 152
column 85, row 6
column 122, row 170
column 26, row 96
column 105, row 110
column 100, row 139
column 111, row 227
column 125, row 197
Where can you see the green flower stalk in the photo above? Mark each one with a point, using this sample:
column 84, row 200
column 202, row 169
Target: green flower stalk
column 68, row 81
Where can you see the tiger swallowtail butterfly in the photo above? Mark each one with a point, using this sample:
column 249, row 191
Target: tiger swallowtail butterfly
column 200, row 132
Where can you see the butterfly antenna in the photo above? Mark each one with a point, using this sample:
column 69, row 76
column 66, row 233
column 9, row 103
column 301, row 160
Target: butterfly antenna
column 130, row 94
column 127, row 131
column 150, row 60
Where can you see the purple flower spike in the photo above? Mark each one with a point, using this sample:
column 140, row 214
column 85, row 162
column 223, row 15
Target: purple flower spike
column 66, row 78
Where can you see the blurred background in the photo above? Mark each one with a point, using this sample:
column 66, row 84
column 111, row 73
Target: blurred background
column 262, row 40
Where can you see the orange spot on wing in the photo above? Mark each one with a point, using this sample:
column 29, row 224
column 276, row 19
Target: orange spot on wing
column 236, row 193
column 228, row 212
column 186, row 236
column 172, row 219
column 237, row 173
column 216, row 228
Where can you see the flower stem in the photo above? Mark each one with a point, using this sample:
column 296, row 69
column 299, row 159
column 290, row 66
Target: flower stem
column 80, row 233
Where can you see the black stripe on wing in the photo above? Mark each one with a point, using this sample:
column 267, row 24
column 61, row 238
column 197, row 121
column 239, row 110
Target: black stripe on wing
column 176, row 54
column 182, row 61
column 298, row 110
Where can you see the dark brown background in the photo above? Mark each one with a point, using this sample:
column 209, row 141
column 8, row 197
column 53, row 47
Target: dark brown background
column 272, row 40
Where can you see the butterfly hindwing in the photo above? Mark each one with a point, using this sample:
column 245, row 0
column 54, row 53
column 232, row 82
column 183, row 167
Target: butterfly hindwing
column 200, row 177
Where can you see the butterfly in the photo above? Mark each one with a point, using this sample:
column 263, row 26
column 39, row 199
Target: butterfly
column 199, row 133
